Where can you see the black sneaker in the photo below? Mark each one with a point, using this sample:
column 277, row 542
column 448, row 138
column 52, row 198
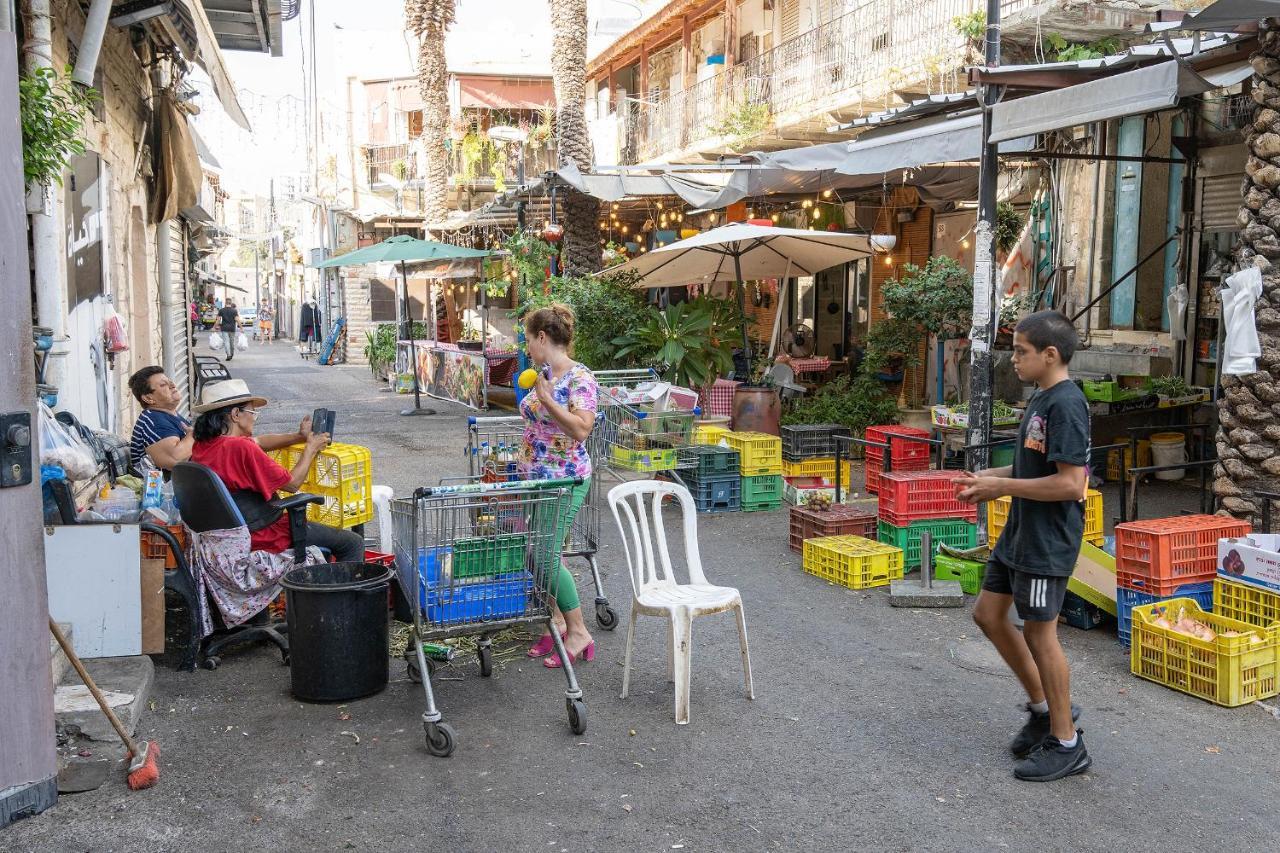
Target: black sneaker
column 1034, row 731
column 1051, row 760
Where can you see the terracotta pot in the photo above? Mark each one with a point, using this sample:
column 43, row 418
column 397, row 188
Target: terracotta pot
column 757, row 409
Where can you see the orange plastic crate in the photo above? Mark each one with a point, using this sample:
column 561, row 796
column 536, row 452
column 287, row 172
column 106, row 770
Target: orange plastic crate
column 907, row 496
column 1158, row 555
column 156, row 548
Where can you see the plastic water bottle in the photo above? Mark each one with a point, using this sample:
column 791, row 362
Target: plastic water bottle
column 151, row 493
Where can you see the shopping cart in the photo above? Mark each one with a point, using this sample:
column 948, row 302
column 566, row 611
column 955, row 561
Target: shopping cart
column 477, row 558
column 637, row 441
column 493, row 445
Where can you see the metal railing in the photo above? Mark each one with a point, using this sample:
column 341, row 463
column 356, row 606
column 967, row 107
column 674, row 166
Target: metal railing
column 398, row 161
column 860, row 57
column 497, row 167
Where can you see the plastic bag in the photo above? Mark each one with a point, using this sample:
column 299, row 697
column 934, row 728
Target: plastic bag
column 1176, row 303
column 60, row 446
column 215, row 341
column 242, row 342
column 113, row 334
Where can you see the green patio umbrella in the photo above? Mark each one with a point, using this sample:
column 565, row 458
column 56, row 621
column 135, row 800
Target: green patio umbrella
column 403, row 249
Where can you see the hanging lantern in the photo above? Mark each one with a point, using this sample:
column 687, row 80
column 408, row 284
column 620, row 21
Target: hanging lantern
column 552, row 232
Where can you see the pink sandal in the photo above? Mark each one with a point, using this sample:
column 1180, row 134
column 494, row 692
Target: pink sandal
column 587, row 654
column 545, row 646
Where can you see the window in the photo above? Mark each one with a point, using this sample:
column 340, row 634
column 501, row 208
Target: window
column 248, row 219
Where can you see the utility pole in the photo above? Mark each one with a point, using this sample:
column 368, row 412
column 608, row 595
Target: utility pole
column 982, row 335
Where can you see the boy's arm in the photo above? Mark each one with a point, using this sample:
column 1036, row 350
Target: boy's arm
column 1066, row 485
column 1002, row 471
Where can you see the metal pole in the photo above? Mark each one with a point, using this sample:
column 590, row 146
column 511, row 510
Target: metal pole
column 982, row 335
column 926, row 559
column 742, row 306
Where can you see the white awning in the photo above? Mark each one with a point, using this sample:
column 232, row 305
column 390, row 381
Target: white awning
column 921, row 143
column 1144, row 90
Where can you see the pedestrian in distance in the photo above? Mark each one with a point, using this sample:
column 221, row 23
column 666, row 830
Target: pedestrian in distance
column 229, row 323
column 1036, row 553
column 559, row 414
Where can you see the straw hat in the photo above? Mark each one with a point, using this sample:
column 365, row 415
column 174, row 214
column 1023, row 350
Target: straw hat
column 228, row 392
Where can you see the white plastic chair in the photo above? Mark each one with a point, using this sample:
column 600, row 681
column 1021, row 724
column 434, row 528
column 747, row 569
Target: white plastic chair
column 637, row 509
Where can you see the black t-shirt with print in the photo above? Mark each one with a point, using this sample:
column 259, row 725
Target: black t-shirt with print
column 1043, row 537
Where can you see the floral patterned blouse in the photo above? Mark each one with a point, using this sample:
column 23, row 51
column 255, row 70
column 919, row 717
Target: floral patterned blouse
column 548, row 453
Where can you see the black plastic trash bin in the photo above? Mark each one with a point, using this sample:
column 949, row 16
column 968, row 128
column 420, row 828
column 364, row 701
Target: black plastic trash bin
column 338, row 630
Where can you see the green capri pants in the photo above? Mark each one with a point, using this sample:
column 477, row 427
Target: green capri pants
column 561, row 585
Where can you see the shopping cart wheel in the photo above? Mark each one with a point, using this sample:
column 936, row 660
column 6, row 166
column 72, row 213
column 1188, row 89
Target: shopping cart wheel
column 577, row 715
column 485, row 653
column 606, row 617
column 440, row 738
column 414, row 674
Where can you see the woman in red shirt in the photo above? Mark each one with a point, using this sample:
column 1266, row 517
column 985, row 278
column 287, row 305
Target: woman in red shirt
column 224, row 443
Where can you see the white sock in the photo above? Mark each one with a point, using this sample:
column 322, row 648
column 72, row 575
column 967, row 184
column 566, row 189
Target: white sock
column 1071, row 744
column 1040, row 707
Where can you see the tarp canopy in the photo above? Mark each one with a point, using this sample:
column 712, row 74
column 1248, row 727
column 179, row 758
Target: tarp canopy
column 1143, row 90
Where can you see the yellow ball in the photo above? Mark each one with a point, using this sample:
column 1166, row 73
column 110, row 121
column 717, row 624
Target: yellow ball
column 527, row 378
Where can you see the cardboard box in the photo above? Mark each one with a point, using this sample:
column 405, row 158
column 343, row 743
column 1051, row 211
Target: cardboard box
column 152, row 607
column 1251, row 559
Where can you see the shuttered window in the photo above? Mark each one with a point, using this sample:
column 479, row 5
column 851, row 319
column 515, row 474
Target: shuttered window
column 790, row 19
column 1220, row 197
column 181, row 343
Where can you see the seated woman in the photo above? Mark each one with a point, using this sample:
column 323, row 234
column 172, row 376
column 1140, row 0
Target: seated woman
column 225, row 444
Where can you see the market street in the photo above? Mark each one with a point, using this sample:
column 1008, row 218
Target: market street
column 872, row 727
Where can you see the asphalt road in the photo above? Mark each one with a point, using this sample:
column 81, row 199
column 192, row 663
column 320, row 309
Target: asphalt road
column 872, row 728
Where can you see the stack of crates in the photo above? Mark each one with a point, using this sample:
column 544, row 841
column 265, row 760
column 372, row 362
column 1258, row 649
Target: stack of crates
column 1164, row 558
column 713, row 478
column 852, row 561
column 342, row 474
column 904, row 454
column 760, row 461
column 998, row 516
column 801, row 442
column 913, row 502
column 808, row 461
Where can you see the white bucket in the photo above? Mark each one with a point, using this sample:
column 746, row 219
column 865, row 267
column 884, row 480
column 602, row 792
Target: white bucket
column 1169, row 448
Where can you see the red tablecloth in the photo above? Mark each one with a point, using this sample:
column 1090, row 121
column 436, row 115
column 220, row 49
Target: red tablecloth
column 718, row 399
column 810, row 365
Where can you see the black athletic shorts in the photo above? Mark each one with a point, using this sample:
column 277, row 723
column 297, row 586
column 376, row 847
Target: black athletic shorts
column 1038, row 598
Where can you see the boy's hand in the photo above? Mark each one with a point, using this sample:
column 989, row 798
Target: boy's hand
column 977, row 488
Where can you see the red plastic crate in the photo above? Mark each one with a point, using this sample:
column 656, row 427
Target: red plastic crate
column 1158, row 555
column 839, row 520
column 904, row 454
column 907, row 496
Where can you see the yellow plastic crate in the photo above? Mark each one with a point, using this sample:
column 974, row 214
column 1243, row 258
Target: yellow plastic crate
column 998, row 516
column 1227, row 671
column 708, row 434
column 643, row 460
column 852, row 561
column 1245, row 602
column 822, row 466
column 759, row 453
column 342, row 474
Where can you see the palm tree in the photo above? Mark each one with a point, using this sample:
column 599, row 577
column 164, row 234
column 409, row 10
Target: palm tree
column 1249, row 410
column 430, row 20
column 581, row 253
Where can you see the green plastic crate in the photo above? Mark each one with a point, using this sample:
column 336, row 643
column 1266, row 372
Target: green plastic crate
column 709, row 461
column 485, row 556
column 957, row 534
column 968, row 572
column 766, row 488
column 761, row 506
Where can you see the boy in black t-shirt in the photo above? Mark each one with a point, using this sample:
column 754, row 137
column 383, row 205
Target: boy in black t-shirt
column 1036, row 552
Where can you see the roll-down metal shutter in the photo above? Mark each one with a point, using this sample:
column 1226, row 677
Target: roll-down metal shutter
column 179, row 272
column 1220, row 198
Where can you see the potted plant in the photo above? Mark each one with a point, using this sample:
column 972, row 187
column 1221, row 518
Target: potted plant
column 684, row 342
column 471, row 340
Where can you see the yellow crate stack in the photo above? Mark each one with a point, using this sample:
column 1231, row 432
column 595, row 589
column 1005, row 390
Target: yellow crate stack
column 708, row 433
column 342, row 474
column 759, row 454
column 998, row 515
column 852, row 561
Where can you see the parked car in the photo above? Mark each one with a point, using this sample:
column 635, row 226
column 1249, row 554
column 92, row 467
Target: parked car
column 208, row 316
column 248, row 315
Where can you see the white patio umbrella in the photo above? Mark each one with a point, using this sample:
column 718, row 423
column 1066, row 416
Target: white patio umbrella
column 744, row 252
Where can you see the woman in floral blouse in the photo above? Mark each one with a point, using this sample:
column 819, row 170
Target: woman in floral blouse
column 559, row 415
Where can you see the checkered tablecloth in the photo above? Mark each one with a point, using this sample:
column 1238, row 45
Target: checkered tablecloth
column 718, row 399
column 816, row 364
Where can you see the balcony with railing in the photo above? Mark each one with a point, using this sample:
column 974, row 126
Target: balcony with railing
column 399, row 162
column 495, row 168
column 849, row 66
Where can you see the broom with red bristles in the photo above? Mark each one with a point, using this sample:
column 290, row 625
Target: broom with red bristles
column 143, row 770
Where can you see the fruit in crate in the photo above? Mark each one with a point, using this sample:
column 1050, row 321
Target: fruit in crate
column 818, row 502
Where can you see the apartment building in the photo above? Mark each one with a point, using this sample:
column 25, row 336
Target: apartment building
column 700, row 78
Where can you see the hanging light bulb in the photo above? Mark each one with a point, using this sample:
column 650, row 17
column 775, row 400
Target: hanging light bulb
column 774, row 217
column 817, row 214
column 624, row 229
column 826, row 193
column 643, row 249
column 888, row 260
column 806, row 204
column 614, row 216
column 615, row 205
column 659, row 205
column 964, row 244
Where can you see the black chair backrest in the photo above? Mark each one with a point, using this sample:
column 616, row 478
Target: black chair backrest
column 203, row 500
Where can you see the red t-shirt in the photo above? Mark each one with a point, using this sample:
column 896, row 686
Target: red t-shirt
column 244, row 466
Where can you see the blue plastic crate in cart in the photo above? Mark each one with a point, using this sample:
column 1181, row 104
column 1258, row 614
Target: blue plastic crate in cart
column 1127, row 599
column 501, row 597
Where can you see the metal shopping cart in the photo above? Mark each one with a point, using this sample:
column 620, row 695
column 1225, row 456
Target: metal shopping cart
column 477, row 558
column 493, row 447
column 637, row 441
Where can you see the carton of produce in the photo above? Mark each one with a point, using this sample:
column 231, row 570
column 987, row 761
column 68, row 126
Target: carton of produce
column 1253, row 559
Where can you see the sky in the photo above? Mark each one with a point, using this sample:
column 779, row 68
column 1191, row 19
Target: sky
column 366, row 39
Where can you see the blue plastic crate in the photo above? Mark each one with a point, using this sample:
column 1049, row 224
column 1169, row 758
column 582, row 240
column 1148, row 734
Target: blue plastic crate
column 1079, row 613
column 502, row 597
column 1127, row 599
column 721, row 494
